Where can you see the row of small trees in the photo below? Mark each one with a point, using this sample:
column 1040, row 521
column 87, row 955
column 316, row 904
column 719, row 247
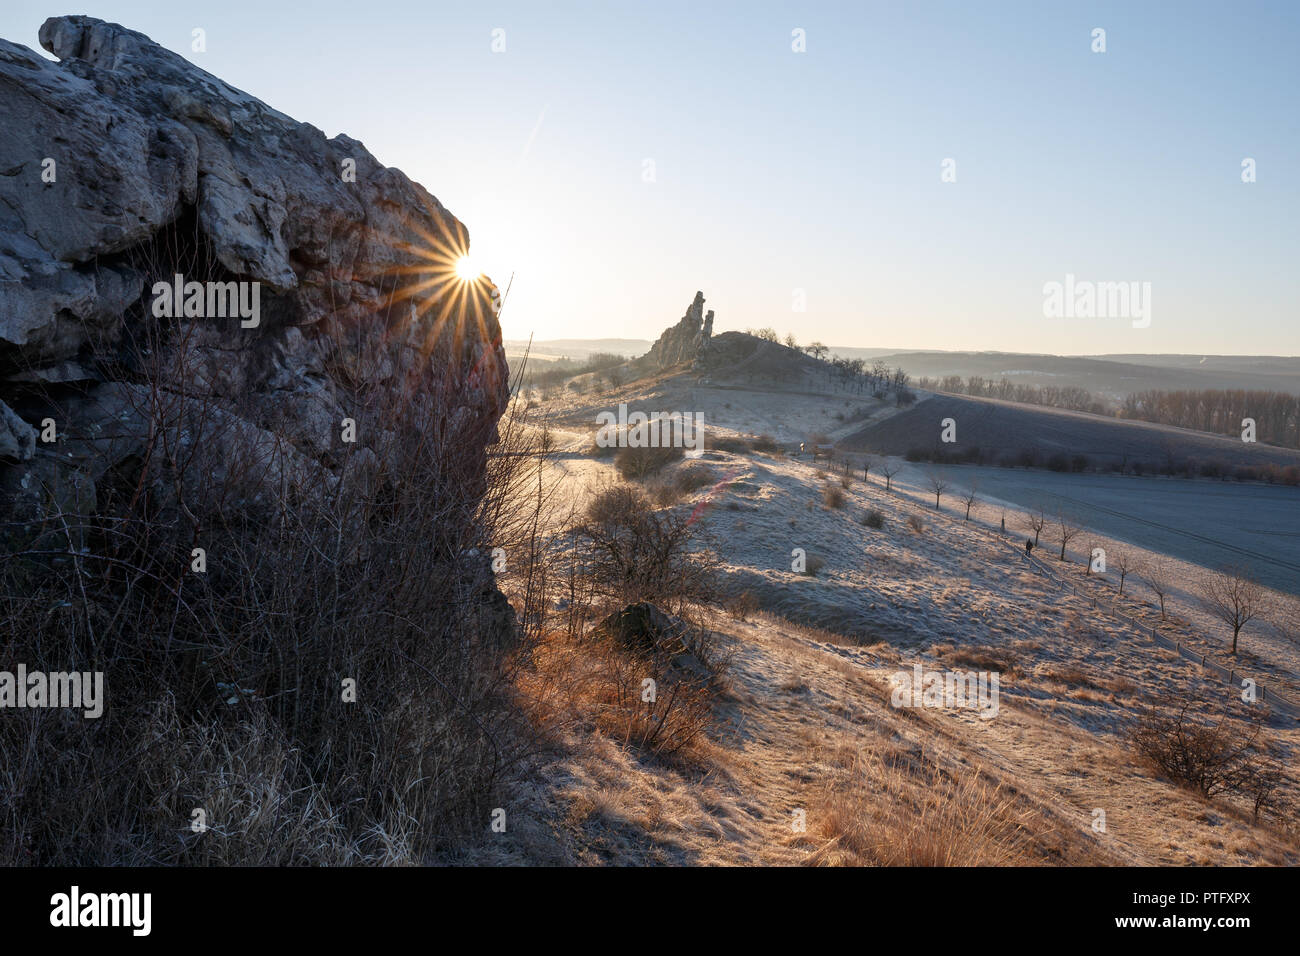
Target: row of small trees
column 1232, row 595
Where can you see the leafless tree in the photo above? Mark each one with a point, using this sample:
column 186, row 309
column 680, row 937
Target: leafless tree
column 1066, row 530
column 1235, row 598
column 867, row 462
column 970, row 497
column 1037, row 522
column 889, row 469
column 1156, row 576
column 1122, row 562
column 938, row 484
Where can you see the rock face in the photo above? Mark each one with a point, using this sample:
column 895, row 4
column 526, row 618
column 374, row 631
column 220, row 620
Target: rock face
column 687, row 341
column 122, row 166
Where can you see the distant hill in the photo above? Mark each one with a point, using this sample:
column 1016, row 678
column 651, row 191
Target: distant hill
column 578, row 349
column 1106, row 376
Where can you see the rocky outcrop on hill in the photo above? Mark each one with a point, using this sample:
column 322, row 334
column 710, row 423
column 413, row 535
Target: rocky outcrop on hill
column 124, row 168
column 687, row 341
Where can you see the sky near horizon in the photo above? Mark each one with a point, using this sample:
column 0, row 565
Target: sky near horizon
column 616, row 157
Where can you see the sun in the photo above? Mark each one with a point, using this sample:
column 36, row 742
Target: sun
column 466, row 270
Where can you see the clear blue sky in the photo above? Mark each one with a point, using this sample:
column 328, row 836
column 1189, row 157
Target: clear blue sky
column 818, row 171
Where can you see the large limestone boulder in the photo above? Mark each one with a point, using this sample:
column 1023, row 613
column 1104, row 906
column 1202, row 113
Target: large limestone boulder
column 122, row 165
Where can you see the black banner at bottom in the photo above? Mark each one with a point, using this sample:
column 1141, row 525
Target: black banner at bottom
column 332, row 907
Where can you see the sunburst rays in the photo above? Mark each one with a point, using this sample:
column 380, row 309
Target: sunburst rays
column 446, row 291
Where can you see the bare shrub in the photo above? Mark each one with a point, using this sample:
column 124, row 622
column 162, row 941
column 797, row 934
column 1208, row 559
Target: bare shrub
column 915, row 523
column 1224, row 753
column 833, row 496
column 613, row 504
column 812, row 564
column 730, row 443
column 636, row 464
column 631, row 553
column 692, row 478
column 873, row 519
column 743, row 605
column 665, row 493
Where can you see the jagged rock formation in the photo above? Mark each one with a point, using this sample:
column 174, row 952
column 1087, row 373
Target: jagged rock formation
column 702, row 342
column 123, row 165
column 687, row 341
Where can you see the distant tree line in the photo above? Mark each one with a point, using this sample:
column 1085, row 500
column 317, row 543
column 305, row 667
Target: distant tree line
column 1217, row 411
column 1069, row 397
column 1220, row 411
column 1167, row 463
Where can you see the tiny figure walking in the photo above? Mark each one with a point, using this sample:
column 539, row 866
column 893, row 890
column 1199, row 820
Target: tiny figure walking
column 1029, row 546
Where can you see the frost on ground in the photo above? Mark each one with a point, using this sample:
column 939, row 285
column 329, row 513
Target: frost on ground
column 807, row 762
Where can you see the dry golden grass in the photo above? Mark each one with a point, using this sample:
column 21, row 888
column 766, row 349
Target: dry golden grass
column 595, row 683
column 895, row 809
column 982, row 658
column 1071, row 675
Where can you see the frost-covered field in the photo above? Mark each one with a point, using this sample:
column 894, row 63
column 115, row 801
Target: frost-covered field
column 933, row 589
column 1211, row 523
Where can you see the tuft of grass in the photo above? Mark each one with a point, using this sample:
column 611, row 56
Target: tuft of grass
column 890, row 809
